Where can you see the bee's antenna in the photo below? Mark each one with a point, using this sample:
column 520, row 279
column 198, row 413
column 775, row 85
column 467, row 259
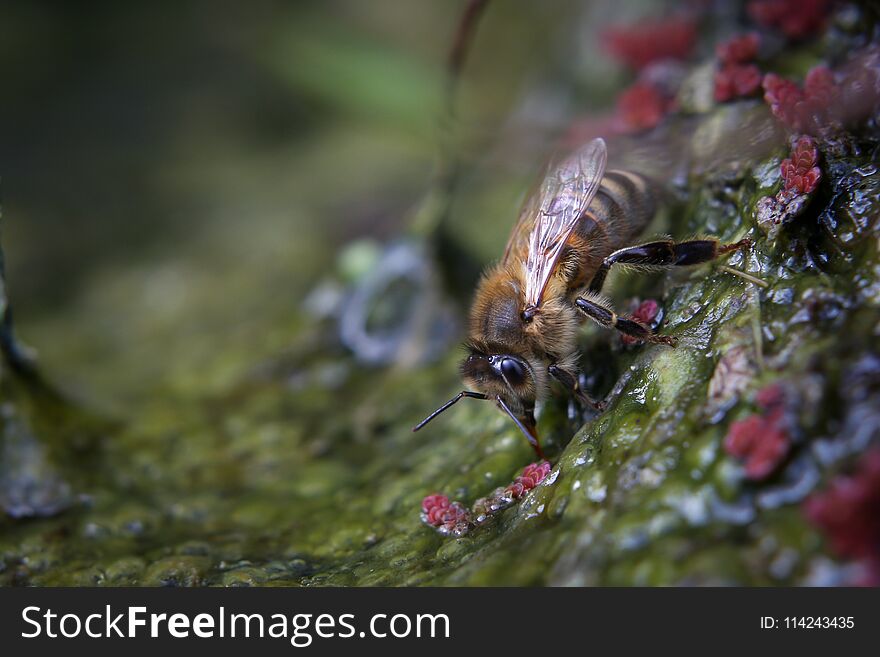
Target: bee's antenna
column 459, row 396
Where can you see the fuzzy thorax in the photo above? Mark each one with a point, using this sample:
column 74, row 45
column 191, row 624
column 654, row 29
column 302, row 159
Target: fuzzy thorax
column 498, row 327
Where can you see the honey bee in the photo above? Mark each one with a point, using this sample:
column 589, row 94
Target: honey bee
column 528, row 307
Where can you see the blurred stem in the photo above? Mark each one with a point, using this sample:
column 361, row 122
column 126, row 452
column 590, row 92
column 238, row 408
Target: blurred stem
column 16, row 355
column 434, row 207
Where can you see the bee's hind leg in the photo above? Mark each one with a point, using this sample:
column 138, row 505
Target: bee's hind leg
column 663, row 254
column 570, row 382
column 601, row 312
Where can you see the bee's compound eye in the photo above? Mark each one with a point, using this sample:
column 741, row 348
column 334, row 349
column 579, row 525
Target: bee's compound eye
column 513, row 371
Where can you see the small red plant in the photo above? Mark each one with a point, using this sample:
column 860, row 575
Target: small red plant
column 818, row 107
column 737, row 75
column 762, row 440
column 532, row 475
column 739, row 50
column 437, row 510
column 800, row 178
column 848, row 513
column 796, row 19
column 646, row 42
column 434, row 507
column 784, row 98
column 770, row 397
column 447, row 517
column 641, row 107
column 453, row 518
column 800, row 171
column 737, row 81
column 646, row 313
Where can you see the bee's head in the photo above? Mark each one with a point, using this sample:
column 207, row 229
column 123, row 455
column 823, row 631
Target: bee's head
column 498, row 374
column 505, row 378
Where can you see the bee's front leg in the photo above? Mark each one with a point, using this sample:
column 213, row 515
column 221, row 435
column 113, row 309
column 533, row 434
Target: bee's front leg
column 570, row 382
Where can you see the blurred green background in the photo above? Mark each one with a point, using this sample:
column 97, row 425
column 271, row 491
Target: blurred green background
column 176, row 176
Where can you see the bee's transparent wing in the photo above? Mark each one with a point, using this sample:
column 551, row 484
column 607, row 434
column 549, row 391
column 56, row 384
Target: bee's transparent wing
column 564, row 196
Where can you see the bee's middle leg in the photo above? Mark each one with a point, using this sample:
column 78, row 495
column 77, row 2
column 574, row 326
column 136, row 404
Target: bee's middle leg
column 570, row 382
column 601, row 312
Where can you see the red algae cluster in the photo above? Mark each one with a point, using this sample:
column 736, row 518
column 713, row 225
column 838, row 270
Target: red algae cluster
column 433, row 507
column 641, row 107
column 762, row 441
column 848, row 513
column 800, row 178
column 796, row 19
column 647, row 47
column 738, row 50
column 737, row 75
column 829, row 101
column 646, row 42
column 452, row 518
column 501, row 498
column 809, row 109
column 448, row 518
column 800, row 171
column 532, row 475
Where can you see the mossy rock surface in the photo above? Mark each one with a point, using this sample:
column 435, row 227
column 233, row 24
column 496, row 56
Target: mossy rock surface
column 276, row 458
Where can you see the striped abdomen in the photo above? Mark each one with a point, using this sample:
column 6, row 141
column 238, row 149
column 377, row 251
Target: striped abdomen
column 621, row 209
